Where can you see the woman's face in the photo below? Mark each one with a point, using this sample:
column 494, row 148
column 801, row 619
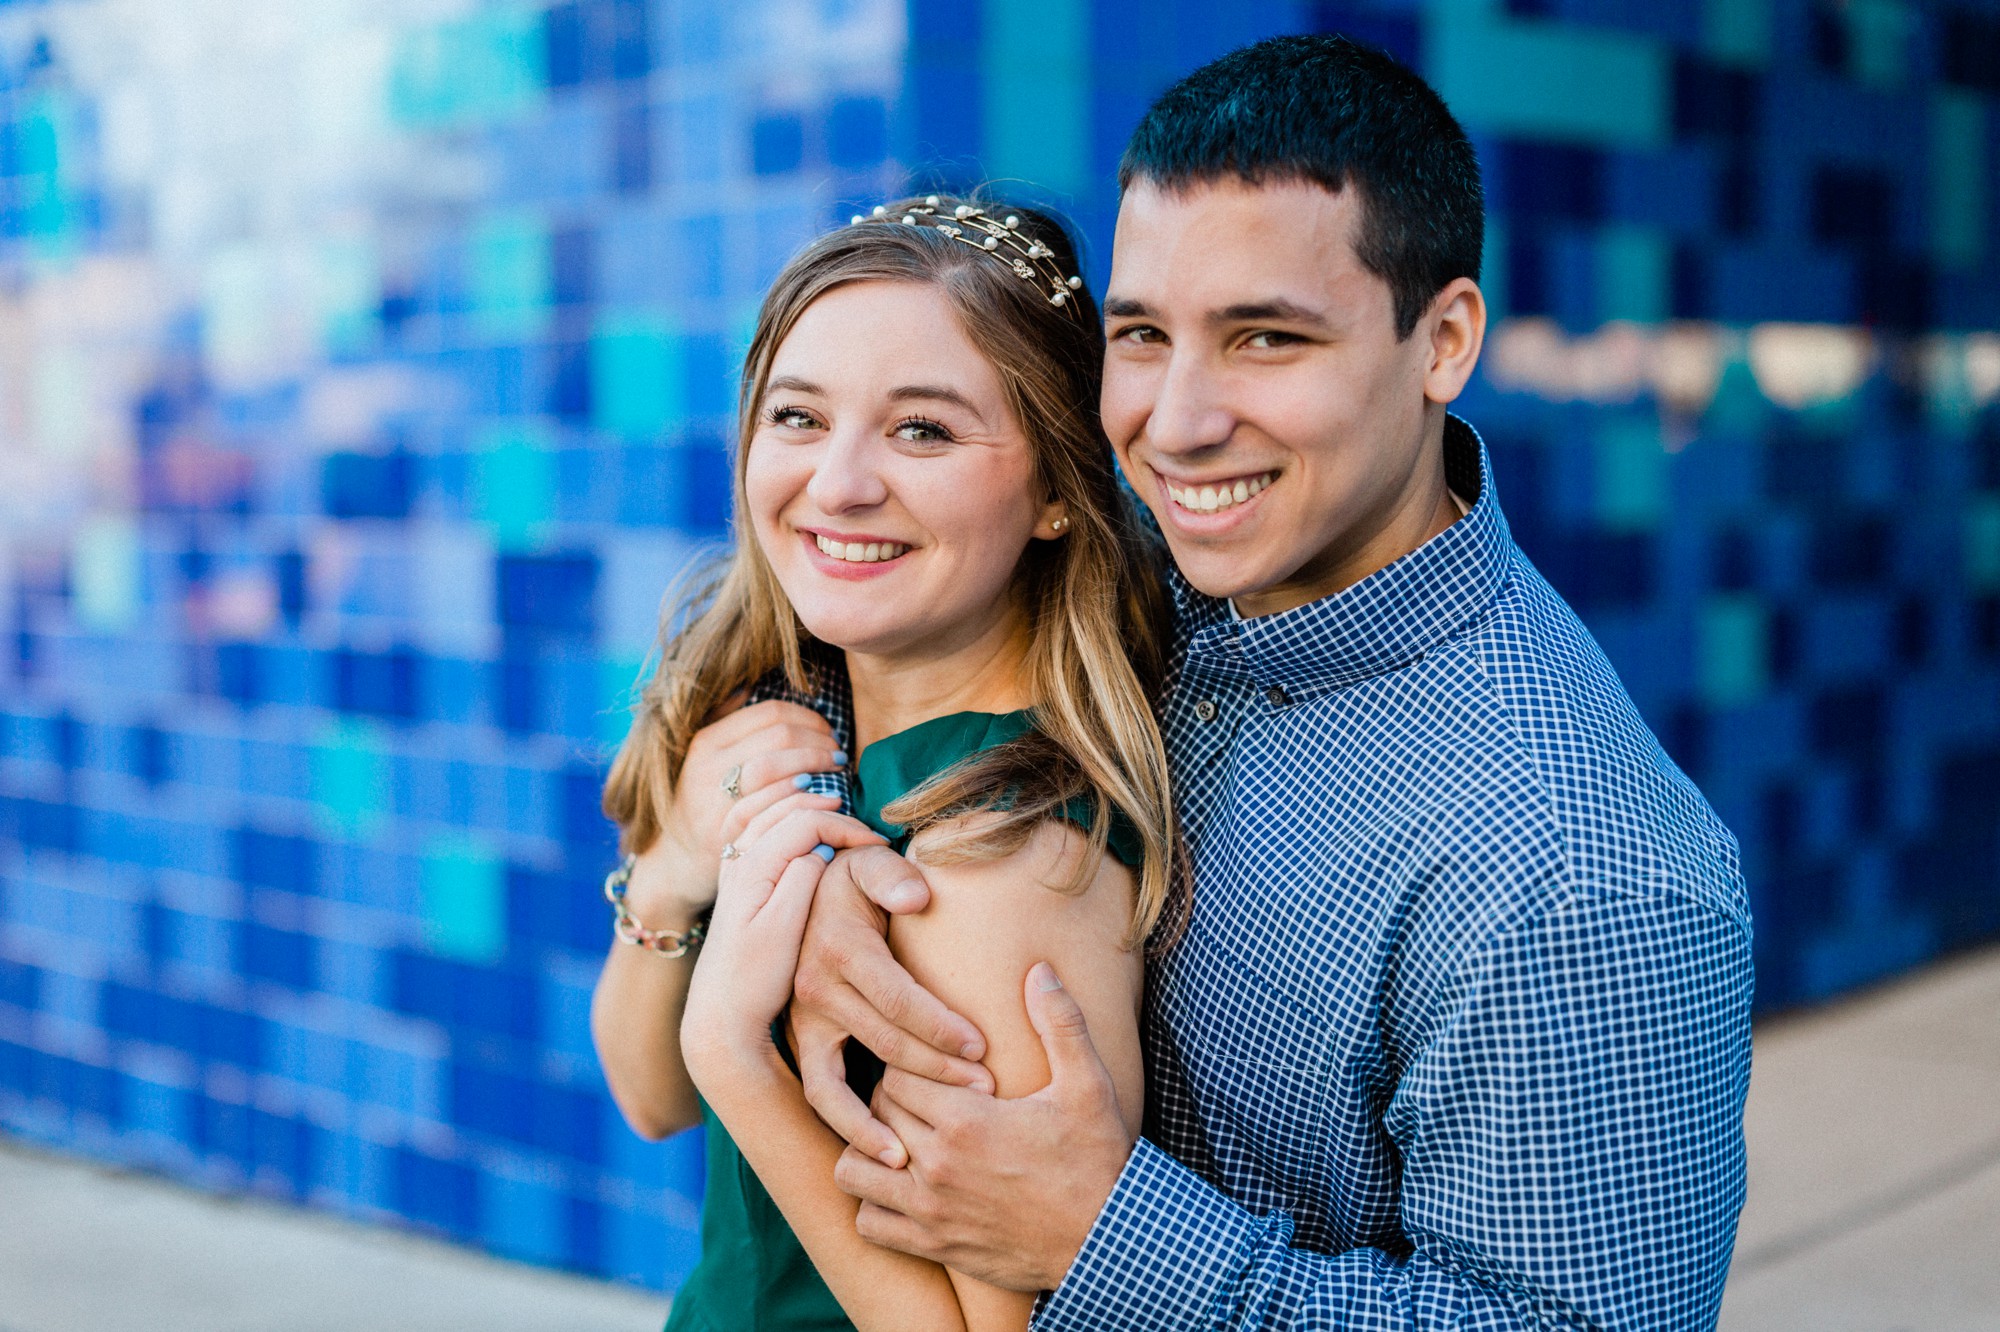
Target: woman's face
column 889, row 483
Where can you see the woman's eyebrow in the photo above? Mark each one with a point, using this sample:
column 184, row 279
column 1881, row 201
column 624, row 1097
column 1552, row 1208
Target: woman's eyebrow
column 792, row 384
column 934, row 393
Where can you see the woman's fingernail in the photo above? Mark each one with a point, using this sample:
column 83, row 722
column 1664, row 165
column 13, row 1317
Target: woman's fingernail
column 825, row 852
column 839, row 758
column 892, row 1158
column 1045, row 977
column 802, row 781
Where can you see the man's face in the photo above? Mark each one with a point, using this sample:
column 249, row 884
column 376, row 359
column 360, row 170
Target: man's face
column 1256, row 392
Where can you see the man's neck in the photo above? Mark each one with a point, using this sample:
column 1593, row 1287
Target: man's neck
column 894, row 693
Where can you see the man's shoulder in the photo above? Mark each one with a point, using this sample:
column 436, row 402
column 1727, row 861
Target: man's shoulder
column 1563, row 744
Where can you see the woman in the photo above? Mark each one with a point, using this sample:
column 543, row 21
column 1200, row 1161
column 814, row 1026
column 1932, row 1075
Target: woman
column 932, row 539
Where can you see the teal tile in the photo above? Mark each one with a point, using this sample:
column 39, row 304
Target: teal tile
column 1982, row 543
column 464, row 900
column 1037, row 97
column 1506, row 77
column 1633, row 273
column 514, row 483
column 638, row 376
column 1731, row 650
column 105, row 565
column 1737, row 31
column 1879, row 34
column 475, row 70
column 1631, row 467
column 1960, row 177
column 350, row 778
column 510, row 277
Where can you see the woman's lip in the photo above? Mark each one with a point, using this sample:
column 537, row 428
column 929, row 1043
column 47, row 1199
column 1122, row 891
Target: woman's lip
column 852, row 570
column 847, row 539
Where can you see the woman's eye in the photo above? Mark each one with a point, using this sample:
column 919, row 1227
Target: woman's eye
column 919, row 431
column 794, row 418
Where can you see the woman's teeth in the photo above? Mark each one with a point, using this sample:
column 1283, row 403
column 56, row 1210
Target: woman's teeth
column 1212, row 499
column 860, row 552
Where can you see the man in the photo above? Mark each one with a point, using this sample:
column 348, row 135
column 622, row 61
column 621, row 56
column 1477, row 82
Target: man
column 1457, row 1034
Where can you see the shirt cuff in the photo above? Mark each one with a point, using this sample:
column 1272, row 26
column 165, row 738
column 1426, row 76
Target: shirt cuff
column 1163, row 1254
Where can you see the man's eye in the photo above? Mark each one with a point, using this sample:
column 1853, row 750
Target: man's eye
column 1265, row 339
column 1139, row 333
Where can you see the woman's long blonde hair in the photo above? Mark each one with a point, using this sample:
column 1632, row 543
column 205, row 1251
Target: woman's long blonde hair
column 1094, row 606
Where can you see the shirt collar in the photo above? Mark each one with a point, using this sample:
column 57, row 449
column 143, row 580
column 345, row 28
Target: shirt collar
column 1386, row 620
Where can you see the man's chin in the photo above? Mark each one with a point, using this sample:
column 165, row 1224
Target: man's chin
column 1216, row 577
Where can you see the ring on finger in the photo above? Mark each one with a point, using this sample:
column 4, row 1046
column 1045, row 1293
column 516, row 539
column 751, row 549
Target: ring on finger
column 729, row 851
column 732, row 782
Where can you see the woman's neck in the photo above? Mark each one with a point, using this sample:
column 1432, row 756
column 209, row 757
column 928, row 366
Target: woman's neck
column 894, row 693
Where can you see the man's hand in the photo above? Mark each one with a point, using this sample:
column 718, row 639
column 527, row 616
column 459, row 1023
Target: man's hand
column 1005, row 1191
column 849, row 985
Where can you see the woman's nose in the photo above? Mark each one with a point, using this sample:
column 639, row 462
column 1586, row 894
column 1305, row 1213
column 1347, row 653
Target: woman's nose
column 846, row 477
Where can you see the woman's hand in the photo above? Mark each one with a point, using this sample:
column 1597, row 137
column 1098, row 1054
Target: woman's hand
column 764, row 748
column 744, row 976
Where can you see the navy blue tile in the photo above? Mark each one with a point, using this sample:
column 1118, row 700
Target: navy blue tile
column 548, row 594
column 778, row 143
column 443, row 1194
column 362, row 485
column 283, row 957
column 276, row 860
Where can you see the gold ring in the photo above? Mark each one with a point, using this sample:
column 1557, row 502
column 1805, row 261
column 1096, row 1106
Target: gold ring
column 731, row 784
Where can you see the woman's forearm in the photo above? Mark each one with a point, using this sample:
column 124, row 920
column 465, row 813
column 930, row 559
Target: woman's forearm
column 635, row 1021
column 635, row 1011
column 793, row 1153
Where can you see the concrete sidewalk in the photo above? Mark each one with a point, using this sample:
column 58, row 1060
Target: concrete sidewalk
column 1874, row 1132
column 1874, row 1207
column 88, row 1249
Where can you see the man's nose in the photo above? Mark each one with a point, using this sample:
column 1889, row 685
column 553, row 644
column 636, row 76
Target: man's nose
column 847, row 477
column 1191, row 412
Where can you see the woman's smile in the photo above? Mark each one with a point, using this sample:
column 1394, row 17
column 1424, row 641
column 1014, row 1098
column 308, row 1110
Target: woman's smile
column 852, row 556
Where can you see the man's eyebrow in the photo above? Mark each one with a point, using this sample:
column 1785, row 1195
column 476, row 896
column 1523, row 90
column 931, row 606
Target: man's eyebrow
column 1277, row 308
column 1244, row 312
column 934, row 393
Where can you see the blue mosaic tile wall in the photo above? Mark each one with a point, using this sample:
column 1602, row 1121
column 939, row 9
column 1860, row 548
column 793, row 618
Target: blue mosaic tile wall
column 364, row 380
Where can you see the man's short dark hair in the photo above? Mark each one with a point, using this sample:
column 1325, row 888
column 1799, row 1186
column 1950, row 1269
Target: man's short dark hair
column 1334, row 112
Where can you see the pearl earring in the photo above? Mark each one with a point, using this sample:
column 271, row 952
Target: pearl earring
column 1058, row 524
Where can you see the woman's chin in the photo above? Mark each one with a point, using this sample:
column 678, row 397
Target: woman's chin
column 850, row 633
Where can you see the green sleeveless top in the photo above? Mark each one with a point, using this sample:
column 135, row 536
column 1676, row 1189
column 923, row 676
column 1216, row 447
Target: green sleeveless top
column 754, row 1275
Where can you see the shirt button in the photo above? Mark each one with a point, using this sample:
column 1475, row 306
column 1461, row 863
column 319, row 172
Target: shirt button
column 1276, row 696
column 1205, row 710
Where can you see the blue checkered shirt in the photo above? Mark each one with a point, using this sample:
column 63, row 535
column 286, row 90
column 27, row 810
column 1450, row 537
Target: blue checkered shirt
column 1458, row 1034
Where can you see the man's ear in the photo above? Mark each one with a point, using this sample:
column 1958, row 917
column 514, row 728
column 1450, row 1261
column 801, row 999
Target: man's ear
column 1457, row 327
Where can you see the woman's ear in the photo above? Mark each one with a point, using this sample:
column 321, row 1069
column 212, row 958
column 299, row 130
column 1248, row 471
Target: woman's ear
column 1054, row 521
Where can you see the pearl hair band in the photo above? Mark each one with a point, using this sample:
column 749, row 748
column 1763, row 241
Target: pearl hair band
column 999, row 237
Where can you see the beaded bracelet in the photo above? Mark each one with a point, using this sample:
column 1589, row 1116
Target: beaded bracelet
column 667, row 943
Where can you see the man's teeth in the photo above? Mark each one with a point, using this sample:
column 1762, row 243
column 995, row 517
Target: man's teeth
column 860, row 552
column 1211, row 499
